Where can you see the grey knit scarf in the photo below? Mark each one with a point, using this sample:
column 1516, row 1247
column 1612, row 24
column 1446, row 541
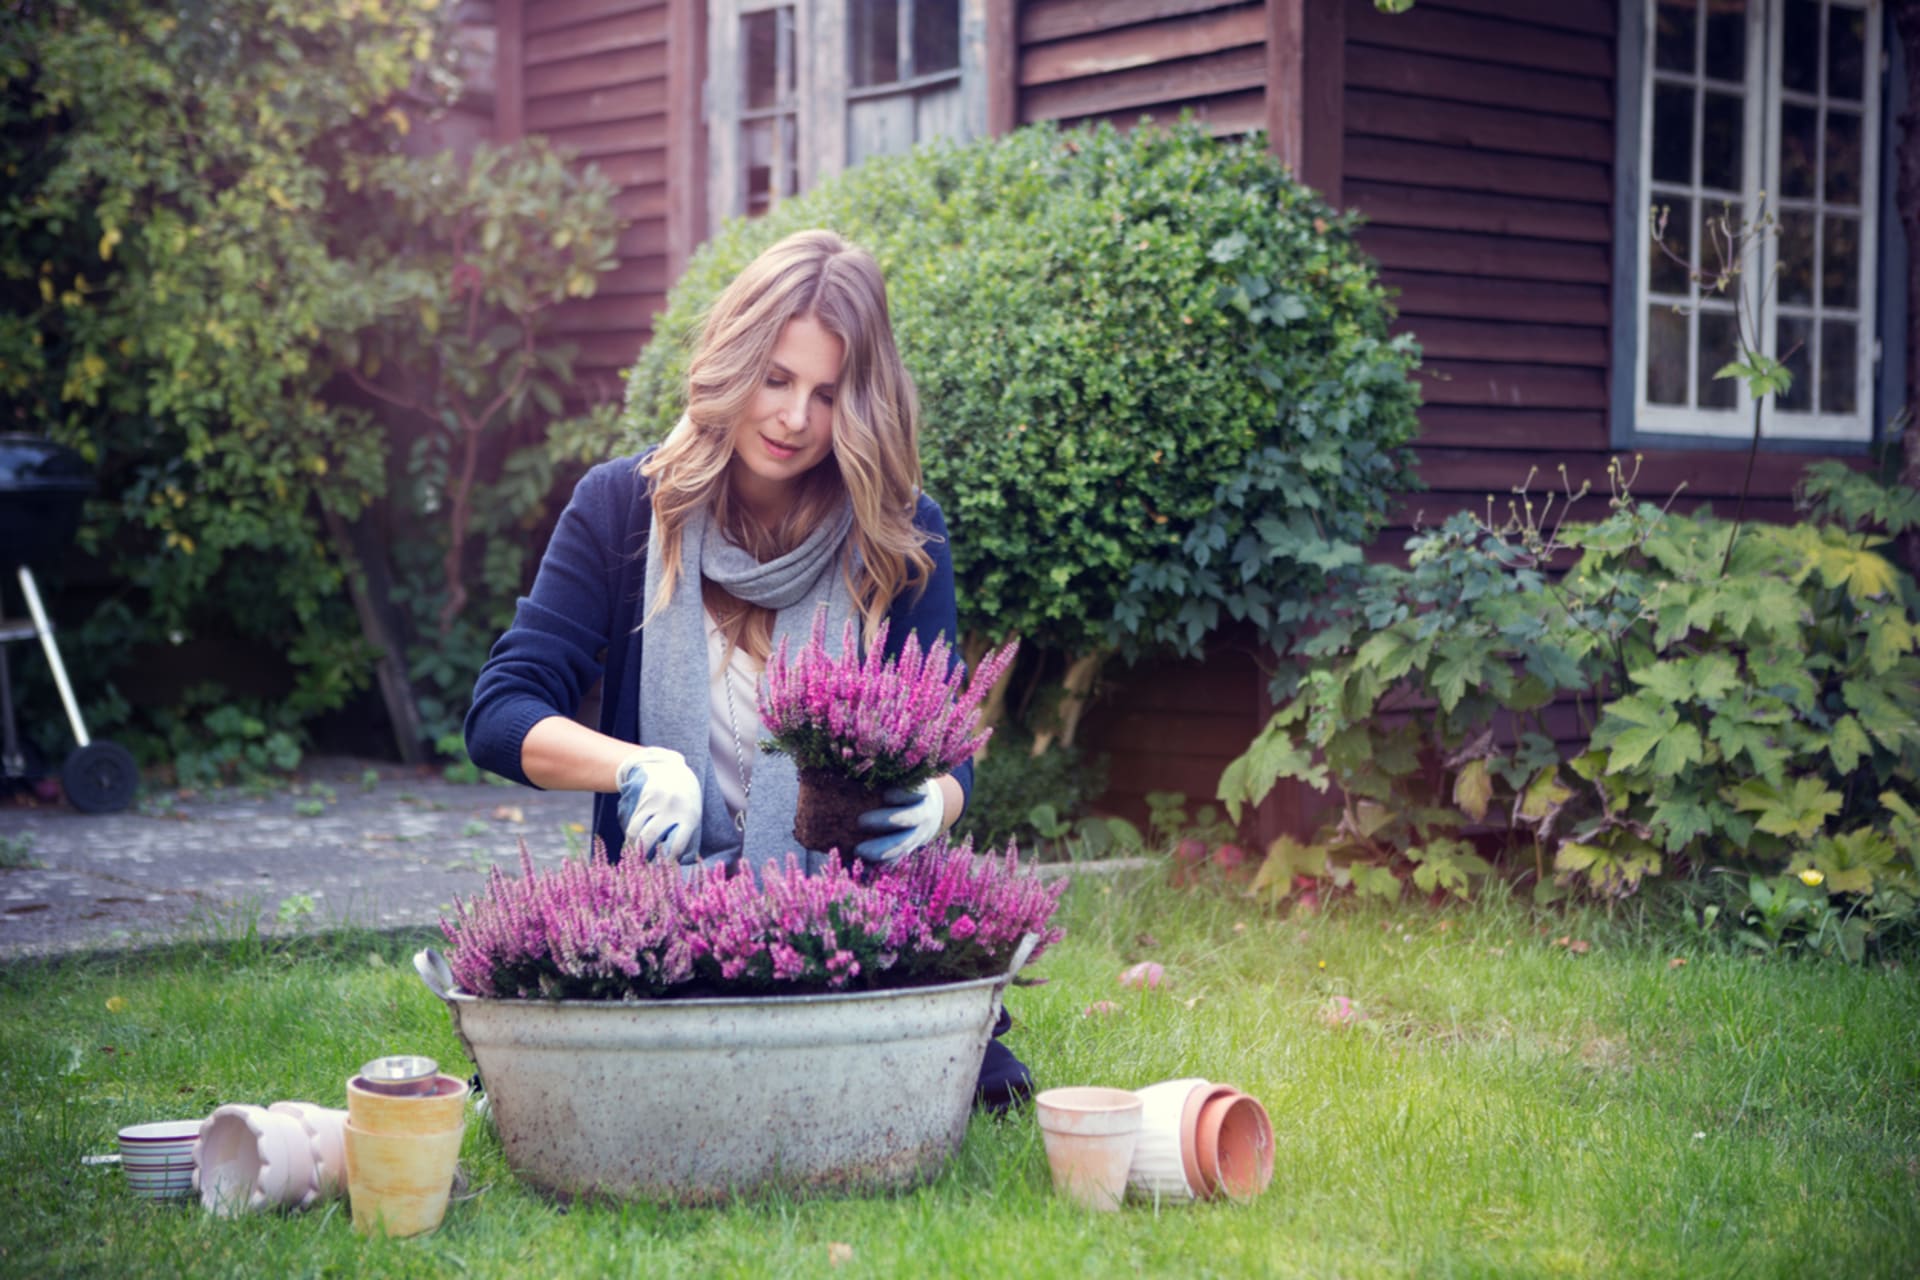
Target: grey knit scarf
column 675, row 685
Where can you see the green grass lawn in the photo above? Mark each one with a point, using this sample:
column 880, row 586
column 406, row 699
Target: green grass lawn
column 1503, row 1105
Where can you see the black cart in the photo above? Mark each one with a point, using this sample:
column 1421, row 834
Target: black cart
column 42, row 487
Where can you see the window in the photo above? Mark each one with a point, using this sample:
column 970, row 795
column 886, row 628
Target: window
column 1751, row 106
column 798, row 90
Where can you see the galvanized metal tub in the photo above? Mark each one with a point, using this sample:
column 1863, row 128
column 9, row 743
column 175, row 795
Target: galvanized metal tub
column 697, row 1101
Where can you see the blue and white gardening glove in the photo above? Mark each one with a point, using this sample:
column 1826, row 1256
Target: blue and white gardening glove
column 659, row 801
column 910, row 821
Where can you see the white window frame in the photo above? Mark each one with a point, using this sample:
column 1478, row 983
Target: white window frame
column 1760, row 171
column 822, row 93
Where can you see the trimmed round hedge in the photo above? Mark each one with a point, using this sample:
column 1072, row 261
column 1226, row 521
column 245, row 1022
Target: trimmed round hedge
column 1156, row 378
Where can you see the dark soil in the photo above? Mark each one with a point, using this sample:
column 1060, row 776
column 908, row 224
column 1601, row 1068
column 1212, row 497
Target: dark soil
column 829, row 812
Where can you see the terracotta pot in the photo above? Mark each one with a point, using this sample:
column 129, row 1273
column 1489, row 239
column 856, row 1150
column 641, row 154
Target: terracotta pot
column 1166, row 1161
column 249, row 1158
column 828, row 813
column 1234, row 1140
column 445, row 1108
column 1090, row 1134
column 326, row 1135
column 401, row 1181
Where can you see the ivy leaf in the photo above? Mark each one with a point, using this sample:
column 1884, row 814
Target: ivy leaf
column 1798, row 810
column 1847, row 744
column 1684, row 819
column 1678, row 748
column 1473, row 789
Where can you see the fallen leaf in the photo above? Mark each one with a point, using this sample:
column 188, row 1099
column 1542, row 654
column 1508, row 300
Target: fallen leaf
column 116, row 1004
column 1579, row 946
column 1562, row 940
column 1444, row 925
column 1146, row 942
column 839, row 1254
column 1678, row 962
column 1100, row 1009
column 1339, row 1012
column 509, row 813
column 1146, row 974
column 1190, row 1003
column 1239, row 926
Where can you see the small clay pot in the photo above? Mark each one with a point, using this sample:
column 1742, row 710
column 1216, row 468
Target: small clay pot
column 828, row 813
column 1089, row 1134
column 445, row 1108
column 401, row 1181
column 1234, row 1141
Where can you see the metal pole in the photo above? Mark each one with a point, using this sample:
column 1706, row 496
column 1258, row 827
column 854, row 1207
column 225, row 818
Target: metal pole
column 13, row 761
column 45, row 630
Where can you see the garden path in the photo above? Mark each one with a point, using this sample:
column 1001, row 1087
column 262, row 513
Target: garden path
column 350, row 842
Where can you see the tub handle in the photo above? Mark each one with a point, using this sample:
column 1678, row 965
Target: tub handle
column 435, row 972
column 1020, row 953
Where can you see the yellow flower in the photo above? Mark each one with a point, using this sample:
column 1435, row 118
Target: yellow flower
column 1811, row 876
column 1323, row 964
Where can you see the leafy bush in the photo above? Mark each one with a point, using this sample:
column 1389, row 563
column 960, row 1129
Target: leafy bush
column 1752, row 701
column 208, row 232
column 1157, row 382
column 1010, row 784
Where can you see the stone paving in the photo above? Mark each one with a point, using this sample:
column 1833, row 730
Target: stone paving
column 351, row 842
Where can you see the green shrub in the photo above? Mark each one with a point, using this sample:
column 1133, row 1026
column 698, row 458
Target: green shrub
column 1010, row 784
column 226, row 286
column 1157, row 382
column 1763, row 717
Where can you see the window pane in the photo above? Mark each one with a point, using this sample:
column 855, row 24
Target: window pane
column 1792, row 336
column 873, row 30
column 1727, row 40
column 1799, row 151
column 1846, row 52
column 789, row 180
column 1796, row 258
column 1843, row 157
column 1673, row 31
column 760, row 46
column 756, row 156
column 1719, row 346
column 936, row 36
column 1840, row 262
column 1720, row 142
column 1672, row 133
column 1664, row 275
column 1800, row 46
column 1838, row 372
column 1666, row 355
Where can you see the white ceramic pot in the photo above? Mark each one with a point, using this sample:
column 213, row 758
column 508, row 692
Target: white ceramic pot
column 249, row 1158
column 1166, row 1160
column 326, row 1135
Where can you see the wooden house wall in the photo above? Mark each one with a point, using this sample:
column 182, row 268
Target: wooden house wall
column 1478, row 139
column 1076, row 61
column 596, row 77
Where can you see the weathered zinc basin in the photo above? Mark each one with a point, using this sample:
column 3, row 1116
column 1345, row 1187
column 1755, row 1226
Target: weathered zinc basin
column 700, row 1100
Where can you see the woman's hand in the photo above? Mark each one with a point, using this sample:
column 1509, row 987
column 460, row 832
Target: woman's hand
column 913, row 816
column 659, row 801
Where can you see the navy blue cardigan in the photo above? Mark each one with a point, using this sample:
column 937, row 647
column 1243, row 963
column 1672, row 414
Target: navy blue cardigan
column 581, row 624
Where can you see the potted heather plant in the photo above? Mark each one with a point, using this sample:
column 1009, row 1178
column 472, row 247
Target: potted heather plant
column 857, row 726
column 648, row 1032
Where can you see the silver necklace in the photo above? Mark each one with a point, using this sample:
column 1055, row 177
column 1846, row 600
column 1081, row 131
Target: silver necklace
column 739, row 756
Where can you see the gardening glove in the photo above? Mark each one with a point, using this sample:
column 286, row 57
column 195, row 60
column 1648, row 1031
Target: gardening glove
column 659, row 801
column 910, row 821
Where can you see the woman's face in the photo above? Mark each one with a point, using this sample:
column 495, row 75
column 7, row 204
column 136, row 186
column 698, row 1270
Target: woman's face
column 788, row 427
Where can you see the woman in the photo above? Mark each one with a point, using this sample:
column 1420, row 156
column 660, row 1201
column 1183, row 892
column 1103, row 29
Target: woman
column 791, row 484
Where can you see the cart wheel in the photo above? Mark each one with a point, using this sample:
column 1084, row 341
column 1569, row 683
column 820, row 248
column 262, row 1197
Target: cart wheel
column 100, row 777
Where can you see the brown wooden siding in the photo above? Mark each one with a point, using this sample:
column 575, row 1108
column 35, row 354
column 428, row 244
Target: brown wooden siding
column 593, row 78
column 1124, row 59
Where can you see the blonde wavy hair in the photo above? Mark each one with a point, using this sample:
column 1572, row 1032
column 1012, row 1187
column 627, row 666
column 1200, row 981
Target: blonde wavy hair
column 875, row 459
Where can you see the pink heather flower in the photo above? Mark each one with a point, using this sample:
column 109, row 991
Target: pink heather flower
column 637, row 929
column 884, row 721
